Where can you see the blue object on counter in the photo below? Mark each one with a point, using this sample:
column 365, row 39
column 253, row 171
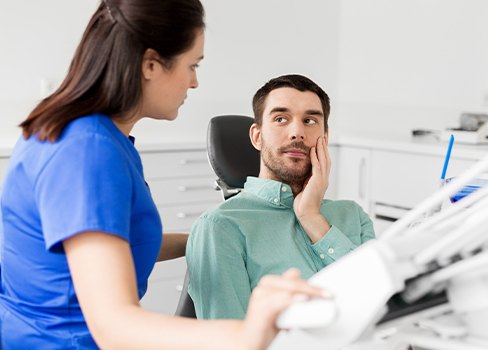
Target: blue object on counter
column 468, row 189
column 448, row 155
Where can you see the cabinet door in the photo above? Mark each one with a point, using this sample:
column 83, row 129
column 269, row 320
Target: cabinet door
column 353, row 175
column 405, row 179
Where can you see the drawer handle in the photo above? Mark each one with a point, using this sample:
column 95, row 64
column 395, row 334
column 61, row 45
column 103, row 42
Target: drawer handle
column 183, row 215
column 194, row 188
column 192, row 161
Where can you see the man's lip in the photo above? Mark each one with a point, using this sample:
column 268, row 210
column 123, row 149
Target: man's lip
column 296, row 152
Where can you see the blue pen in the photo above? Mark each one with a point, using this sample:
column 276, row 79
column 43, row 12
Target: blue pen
column 448, row 155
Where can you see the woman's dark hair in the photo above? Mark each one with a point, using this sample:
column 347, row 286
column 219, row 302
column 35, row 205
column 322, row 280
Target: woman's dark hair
column 294, row 81
column 105, row 73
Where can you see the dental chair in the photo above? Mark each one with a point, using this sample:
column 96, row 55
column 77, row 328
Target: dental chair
column 232, row 157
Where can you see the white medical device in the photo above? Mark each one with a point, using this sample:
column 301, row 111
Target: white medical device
column 424, row 285
column 473, row 129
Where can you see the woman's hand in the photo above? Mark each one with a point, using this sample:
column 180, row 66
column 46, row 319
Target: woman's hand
column 271, row 296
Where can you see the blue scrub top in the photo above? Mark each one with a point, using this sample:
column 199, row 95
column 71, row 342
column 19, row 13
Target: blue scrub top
column 90, row 179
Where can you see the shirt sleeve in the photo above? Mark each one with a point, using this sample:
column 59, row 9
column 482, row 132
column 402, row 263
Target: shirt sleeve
column 336, row 243
column 85, row 186
column 218, row 281
column 367, row 227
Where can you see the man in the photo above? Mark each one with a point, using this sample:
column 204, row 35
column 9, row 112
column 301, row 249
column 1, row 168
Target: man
column 281, row 219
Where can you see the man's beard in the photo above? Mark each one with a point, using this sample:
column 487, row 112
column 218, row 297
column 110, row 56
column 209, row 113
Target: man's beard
column 293, row 176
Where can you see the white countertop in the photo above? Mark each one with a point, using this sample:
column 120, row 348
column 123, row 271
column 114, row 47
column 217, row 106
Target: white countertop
column 7, row 145
column 398, row 143
column 429, row 145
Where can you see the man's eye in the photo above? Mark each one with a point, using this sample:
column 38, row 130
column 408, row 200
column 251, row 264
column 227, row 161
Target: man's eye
column 280, row 119
column 310, row 121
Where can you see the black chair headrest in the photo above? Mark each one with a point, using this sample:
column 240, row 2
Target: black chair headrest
column 230, row 151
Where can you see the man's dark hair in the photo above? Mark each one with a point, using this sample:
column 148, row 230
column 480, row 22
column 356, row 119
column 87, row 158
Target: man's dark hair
column 294, row 81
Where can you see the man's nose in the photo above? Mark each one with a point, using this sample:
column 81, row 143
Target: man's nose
column 297, row 131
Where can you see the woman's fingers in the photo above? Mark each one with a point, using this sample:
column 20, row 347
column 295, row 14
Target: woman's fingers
column 273, row 295
column 290, row 282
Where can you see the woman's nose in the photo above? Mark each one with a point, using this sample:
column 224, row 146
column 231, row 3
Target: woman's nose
column 194, row 82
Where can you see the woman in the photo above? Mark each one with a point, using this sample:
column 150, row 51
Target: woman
column 81, row 231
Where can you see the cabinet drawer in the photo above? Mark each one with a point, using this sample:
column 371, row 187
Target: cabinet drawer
column 175, row 164
column 189, row 190
column 404, row 179
column 162, row 296
column 181, row 218
column 175, row 268
column 164, row 286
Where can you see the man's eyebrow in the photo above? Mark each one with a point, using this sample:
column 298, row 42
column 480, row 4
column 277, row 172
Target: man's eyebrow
column 314, row 112
column 307, row 112
column 279, row 110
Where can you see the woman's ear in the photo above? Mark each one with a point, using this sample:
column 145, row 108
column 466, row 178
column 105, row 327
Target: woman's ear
column 150, row 64
column 255, row 136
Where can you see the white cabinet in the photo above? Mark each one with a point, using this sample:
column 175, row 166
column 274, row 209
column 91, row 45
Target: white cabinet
column 400, row 181
column 388, row 180
column 405, row 179
column 182, row 185
column 353, row 175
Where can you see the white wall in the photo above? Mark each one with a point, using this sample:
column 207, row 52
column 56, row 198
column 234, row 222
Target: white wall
column 37, row 40
column 410, row 64
column 248, row 42
column 388, row 65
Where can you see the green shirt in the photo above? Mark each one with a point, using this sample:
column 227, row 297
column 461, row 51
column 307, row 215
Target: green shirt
column 256, row 233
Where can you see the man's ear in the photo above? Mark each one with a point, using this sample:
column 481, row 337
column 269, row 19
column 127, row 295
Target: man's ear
column 326, row 136
column 255, row 136
column 150, row 64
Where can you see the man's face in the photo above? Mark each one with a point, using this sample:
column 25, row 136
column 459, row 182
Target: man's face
column 292, row 122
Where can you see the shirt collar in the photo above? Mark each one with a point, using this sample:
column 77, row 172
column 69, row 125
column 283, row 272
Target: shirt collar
column 274, row 192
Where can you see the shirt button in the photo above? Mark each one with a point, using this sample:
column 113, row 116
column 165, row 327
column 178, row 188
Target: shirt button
column 322, row 256
column 283, row 189
column 330, row 250
column 275, row 200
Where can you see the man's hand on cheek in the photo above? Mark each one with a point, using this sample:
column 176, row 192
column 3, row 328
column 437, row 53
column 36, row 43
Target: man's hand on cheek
column 307, row 202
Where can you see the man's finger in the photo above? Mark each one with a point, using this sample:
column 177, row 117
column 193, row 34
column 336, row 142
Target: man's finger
column 314, row 160
column 328, row 160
